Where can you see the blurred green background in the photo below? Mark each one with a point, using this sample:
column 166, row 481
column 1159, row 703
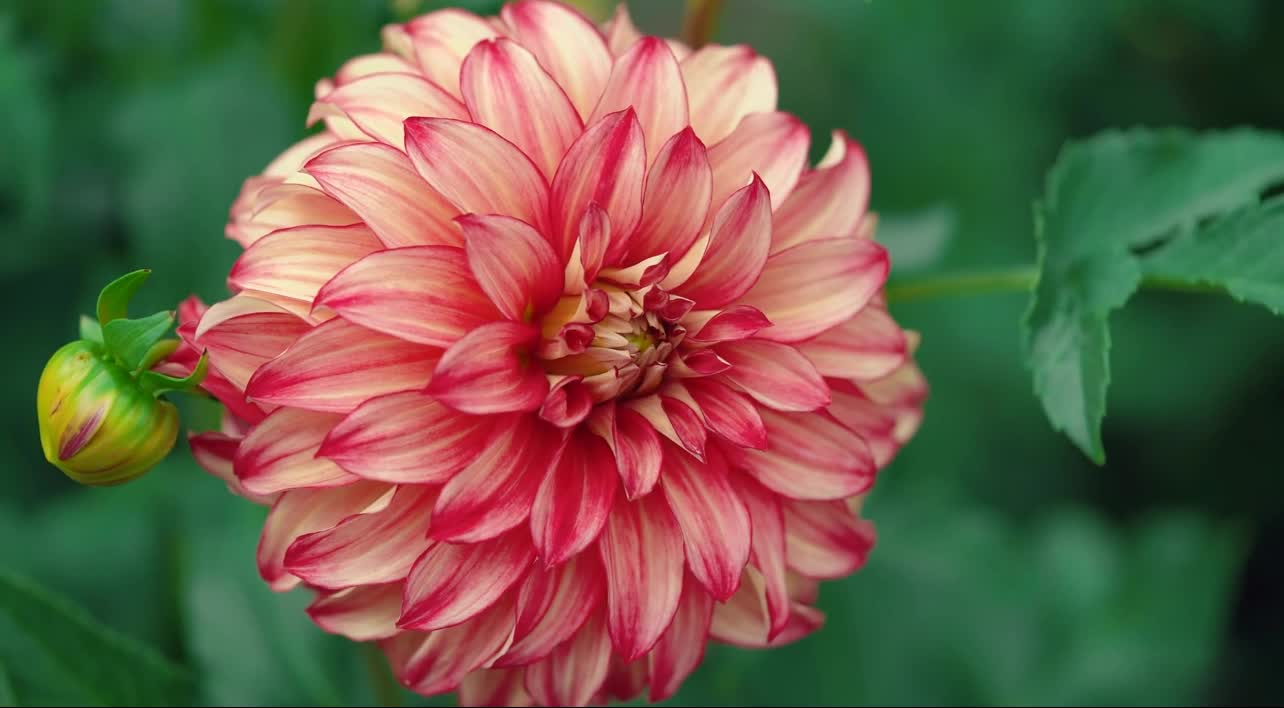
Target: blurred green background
column 1009, row 569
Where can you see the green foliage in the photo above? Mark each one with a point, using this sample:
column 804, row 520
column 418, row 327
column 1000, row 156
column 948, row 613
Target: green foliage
column 113, row 301
column 53, row 651
column 1106, row 198
column 131, row 340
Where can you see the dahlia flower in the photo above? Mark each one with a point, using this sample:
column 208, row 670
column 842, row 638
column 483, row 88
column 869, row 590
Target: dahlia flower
column 554, row 359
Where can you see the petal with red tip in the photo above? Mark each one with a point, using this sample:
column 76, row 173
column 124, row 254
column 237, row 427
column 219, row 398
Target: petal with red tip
column 296, row 262
column 422, row 294
column 743, row 620
column 817, row 285
column 442, row 39
column 338, row 366
column 508, row 92
column 574, row 499
column 453, row 583
column 378, row 546
column 636, row 445
column 378, row 103
column 732, row 324
column 811, row 456
column 828, row 202
column 737, row 250
column 243, row 333
column 214, row 452
column 676, row 202
column 513, row 263
column 280, row 453
column 552, row 605
column 776, row 375
column 496, row 492
column 489, row 371
column 771, row 145
column 436, row 662
column 476, row 170
column 286, row 206
column 865, row 347
column 681, row 647
column 566, row 44
column 641, row 550
column 728, row 413
column 406, row 438
column 378, row 183
column 574, row 672
column 825, row 539
column 714, row 522
column 364, row 65
column 605, row 166
column 725, row 84
column 302, row 511
column 648, row 79
column 360, row 613
column 768, row 550
column 620, row 31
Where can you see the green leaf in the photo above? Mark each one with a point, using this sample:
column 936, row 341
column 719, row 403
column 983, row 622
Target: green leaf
column 1242, row 253
column 131, row 340
column 90, row 330
column 53, row 650
column 113, row 301
column 1105, row 198
column 156, row 383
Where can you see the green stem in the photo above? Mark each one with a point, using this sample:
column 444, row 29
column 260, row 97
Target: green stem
column 386, row 689
column 1009, row 280
column 699, row 22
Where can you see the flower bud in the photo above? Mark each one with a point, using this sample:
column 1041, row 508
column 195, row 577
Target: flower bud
column 97, row 423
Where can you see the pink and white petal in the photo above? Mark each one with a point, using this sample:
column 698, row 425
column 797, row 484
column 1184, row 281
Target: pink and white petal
column 378, row 103
column 568, row 403
column 477, row 170
column 696, row 364
column 743, row 621
column 406, row 438
column 606, row 166
column 374, row 547
column 422, row 294
column 299, row 512
column 294, row 157
column 687, row 423
column 296, row 262
column 621, row 33
column 452, row 583
column 875, row 423
column 730, row 325
column 867, row 346
column 817, row 285
column 574, row 499
column 495, row 687
column 681, row 647
column 508, row 92
column 380, row 185
column 594, row 238
column 776, row 375
column 737, row 249
column 624, row 682
column 647, row 79
column 242, row 333
column 496, row 492
column 285, row 206
column 825, row 539
column 566, row 44
column 573, row 673
column 641, row 550
column 768, row 554
column 489, row 371
column 676, row 202
column 714, row 522
column 770, row 145
column 811, row 456
column 552, row 606
column 828, row 202
column 725, row 84
column 338, row 366
column 636, row 446
column 435, row 662
column 442, row 39
column 367, row 64
column 361, row 613
column 656, row 411
column 728, row 413
column 513, row 263
column 214, row 452
column 280, row 453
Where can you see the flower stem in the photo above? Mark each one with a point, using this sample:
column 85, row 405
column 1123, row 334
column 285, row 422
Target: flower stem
column 700, row 20
column 1009, row 280
column 387, row 691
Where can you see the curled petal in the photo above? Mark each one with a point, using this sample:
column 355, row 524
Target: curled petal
column 681, row 647
column 280, row 453
column 360, row 613
column 714, row 522
column 770, row 145
column 636, row 446
column 453, row 583
column 378, row 103
column 828, row 202
column 566, row 44
column 296, row 262
column 552, row 605
column 573, row 673
column 743, row 621
column 725, row 84
column 299, row 512
column 811, row 456
column 825, row 539
column 243, row 333
column 868, row 346
column 513, row 263
column 775, row 375
column 442, row 39
column 641, row 550
column 647, row 78
column 732, row 324
column 737, row 249
column 489, row 371
column 606, row 166
column 768, row 550
column 574, row 499
column 676, row 202
column 435, row 662
column 728, row 413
